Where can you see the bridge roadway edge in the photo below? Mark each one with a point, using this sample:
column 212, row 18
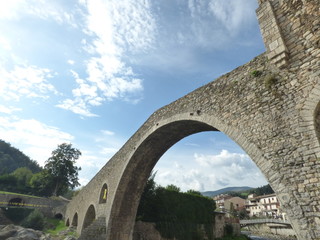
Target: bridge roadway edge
column 274, row 117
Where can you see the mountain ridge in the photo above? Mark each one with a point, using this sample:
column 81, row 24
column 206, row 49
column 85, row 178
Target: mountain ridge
column 224, row 190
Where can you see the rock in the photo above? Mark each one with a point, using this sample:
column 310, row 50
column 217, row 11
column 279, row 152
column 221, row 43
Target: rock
column 70, row 238
column 7, row 234
column 12, row 232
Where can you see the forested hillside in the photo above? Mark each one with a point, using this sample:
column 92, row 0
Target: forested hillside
column 11, row 159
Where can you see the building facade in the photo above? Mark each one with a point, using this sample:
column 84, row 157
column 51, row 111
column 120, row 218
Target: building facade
column 264, row 206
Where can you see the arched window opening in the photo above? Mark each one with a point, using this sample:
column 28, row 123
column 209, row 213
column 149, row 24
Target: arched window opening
column 89, row 217
column 68, row 223
column 103, row 194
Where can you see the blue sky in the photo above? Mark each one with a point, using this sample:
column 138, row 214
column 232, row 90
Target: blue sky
column 90, row 72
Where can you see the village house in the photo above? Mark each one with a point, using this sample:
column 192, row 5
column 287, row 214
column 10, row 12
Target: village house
column 264, row 206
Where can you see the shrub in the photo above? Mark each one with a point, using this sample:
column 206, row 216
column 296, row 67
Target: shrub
column 256, row 73
column 35, row 220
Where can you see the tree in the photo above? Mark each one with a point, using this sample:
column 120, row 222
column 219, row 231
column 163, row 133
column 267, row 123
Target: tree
column 42, row 183
column 173, row 188
column 194, row 192
column 23, row 175
column 61, row 167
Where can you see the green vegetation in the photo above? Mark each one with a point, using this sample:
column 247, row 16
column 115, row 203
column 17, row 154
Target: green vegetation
column 34, row 220
column 12, row 159
column 54, row 226
column 175, row 213
column 21, row 175
column 256, row 73
column 263, row 190
column 270, row 80
column 61, row 169
column 2, row 192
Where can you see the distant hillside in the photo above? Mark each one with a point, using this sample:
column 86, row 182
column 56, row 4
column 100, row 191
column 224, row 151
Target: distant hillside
column 12, row 158
column 225, row 190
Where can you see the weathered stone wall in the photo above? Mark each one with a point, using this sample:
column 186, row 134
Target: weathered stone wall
column 269, row 106
column 268, row 228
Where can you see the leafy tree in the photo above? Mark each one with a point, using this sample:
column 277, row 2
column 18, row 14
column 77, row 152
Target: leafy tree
column 176, row 214
column 61, row 167
column 42, row 183
column 173, row 188
column 23, row 176
column 194, row 192
column 8, row 182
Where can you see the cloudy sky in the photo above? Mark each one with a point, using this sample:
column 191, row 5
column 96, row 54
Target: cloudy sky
column 90, row 72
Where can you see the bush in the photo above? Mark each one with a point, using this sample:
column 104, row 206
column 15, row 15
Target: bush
column 176, row 214
column 35, row 220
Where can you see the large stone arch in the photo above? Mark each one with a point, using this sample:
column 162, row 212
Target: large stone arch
column 148, row 152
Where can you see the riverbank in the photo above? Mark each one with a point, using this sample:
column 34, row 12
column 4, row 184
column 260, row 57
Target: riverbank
column 265, row 236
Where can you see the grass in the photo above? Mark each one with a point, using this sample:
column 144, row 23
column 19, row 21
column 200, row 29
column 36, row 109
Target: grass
column 57, row 226
column 11, row 193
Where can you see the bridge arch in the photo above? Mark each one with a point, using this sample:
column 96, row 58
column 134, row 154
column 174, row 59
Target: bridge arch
column 16, row 202
column 74, row 222
column 89, row 217
column 147, row 153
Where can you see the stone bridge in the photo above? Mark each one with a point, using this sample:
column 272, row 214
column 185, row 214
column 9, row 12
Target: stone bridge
column 264, row 221
column 268, row 226
column 269, row 106
column 50, row 207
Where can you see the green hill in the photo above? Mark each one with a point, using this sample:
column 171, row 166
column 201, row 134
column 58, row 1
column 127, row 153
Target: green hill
column 225, row 190
column 12, row 158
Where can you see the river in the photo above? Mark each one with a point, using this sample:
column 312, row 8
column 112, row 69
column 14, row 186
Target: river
column 274, row 237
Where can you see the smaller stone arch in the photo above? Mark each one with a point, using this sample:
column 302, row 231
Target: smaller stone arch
column 58, row 216
column 68, row 223
column 89, row 217
column 103, row 194
column 16, row 202
column 74, row 222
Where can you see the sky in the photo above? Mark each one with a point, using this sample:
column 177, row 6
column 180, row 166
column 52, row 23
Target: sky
column 90, row 73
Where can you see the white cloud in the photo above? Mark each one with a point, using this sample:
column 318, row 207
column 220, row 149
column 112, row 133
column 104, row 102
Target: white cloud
column 210, row 172
column 225, row 158
column 77, row 106
column 71, row 62
column 233, row 14
column 215, row 23
column 114, row 28
column 26, row 81
column 8, row 109
column 107, row 132
column 34, row 138
column 17, row 9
